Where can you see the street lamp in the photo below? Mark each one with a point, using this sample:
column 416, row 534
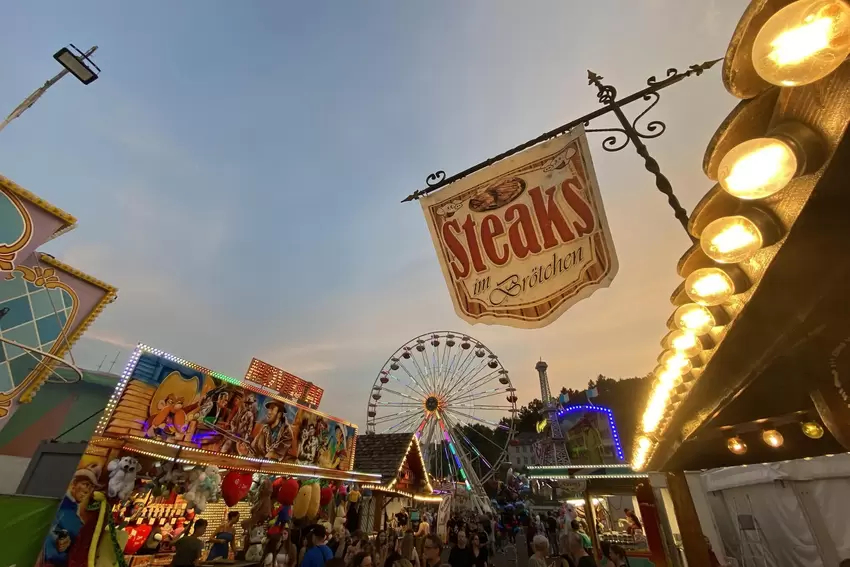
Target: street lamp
column 78, row 65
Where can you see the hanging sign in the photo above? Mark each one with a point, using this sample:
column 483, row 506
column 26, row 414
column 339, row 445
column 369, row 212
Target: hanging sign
column 523, row 240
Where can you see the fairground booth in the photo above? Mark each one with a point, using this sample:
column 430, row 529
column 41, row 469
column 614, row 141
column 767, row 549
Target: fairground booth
column 179, row 442
column 613, row 503
column 751, row 391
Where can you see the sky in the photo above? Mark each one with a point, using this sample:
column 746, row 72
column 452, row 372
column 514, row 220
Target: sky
column 237, row 169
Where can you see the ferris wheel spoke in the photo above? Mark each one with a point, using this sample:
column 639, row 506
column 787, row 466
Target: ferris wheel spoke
column 391, row 416
column 481, row 420
column 405, row 422
column 468, row 397
column 423, row 375
column 458, row 371
column 406, row 371
column 480, row 457
column 416, row 390
column 399, row 404
column 402, row 394
column 469, row 386
column 468, row 376
column 425, row 362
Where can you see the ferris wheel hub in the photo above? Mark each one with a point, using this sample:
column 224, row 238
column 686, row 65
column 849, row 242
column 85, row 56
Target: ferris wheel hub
column 432, row 403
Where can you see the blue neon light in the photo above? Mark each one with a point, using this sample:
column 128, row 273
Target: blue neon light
column 615, row 433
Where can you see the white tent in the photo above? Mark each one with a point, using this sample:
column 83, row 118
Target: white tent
column 782, row 514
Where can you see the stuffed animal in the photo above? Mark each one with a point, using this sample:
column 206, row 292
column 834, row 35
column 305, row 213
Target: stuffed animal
column 262, row 508
column 203, row 487
column 255, row 547
column 122, row 477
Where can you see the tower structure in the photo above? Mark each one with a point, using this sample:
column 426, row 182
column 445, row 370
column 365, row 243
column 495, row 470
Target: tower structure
column 550, row 449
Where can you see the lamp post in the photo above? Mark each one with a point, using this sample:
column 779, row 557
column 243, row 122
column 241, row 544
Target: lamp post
column 78, row 64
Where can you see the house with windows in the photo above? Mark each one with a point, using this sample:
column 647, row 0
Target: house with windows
column 521, row 451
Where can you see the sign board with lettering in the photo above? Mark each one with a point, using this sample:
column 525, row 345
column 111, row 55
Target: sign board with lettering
column 523, row 240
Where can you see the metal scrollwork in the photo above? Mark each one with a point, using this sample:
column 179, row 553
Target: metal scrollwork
column 435, row 178
column 607, row 94
column 612, row 143
column 654, row 128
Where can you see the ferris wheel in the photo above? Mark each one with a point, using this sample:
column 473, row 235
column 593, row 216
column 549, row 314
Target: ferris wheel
column 455, row 395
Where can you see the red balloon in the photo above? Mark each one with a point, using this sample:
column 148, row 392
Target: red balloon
column 287, row 492
column 325, row 496
column 235, row 487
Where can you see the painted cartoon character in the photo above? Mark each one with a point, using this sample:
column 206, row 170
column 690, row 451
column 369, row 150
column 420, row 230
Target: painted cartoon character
column 68, row 522
column 309, row 444
column 275, row 437
column 169, row 420
column 242, row 424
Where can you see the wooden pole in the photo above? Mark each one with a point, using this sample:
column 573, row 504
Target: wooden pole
column 378, row 512
column 693, row 540
column 590, row 517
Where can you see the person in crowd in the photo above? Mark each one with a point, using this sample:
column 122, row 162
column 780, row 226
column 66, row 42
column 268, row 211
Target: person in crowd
column 460, row 555
column 480, row 556
column 319, row 553
column 432, row 551
column 576, row 527
column 552, row 531
column 540, row 545
column 282, row 552
column 362, row 559
column 188, row 549
column 579, row 553
column 224, row 539
column 408, row 549
column 424, row 527
column 634, row 521
column 381, row 548
column 617, row 556
column 335, row 562
column 566, row 558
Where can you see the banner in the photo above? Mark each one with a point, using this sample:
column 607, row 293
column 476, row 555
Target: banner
column 181, row 403
column 24, row 523
column 523, row 240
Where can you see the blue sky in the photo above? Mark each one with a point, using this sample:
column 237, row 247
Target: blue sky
column 237, row 169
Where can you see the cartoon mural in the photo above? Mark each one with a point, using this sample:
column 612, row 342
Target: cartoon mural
column 180, row 403
column 44, row 304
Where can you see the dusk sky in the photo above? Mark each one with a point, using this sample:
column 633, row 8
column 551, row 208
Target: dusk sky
column 237, row 169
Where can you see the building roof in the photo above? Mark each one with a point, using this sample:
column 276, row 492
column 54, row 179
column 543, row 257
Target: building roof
column 381, row 453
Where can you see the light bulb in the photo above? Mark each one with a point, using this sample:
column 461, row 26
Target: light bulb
column 709, row 286
column 731, row 239
column 684, row 342
column 668, row 377
column 736, row 445
column 803, row 42
column 675, row 361
column 694, row 318
column 812, row 429
column 757, row 168
column 772, row 438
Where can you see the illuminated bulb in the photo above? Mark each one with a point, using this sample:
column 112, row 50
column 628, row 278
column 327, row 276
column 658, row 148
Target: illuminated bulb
column 685, row 342
column 731, row 239
column 736, row 445
column 694, row 318
column 644, row 442
column 667, row 376
column 772, row 438
column 675, row 361
column 812, row 429
column 709, row 286
column 803, row 42
column 757, row 168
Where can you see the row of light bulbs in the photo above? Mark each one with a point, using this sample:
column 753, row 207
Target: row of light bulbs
column 798, row 45
column 773, row 438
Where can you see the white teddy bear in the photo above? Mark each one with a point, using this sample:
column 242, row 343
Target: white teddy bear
column 203, row 487
column 122, row 477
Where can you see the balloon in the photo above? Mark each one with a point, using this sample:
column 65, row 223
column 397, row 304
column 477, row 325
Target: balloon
column 326, row 496
column 287, row 492
column 235, row 487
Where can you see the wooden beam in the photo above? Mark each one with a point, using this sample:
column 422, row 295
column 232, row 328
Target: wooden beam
column 693, row 540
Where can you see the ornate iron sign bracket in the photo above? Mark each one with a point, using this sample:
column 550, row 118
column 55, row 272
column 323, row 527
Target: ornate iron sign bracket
column 630, row 130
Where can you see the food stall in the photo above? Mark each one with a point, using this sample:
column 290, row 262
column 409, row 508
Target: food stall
column 607, row 499
column 178, row 442
column 403, row 488
column 754, row 368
